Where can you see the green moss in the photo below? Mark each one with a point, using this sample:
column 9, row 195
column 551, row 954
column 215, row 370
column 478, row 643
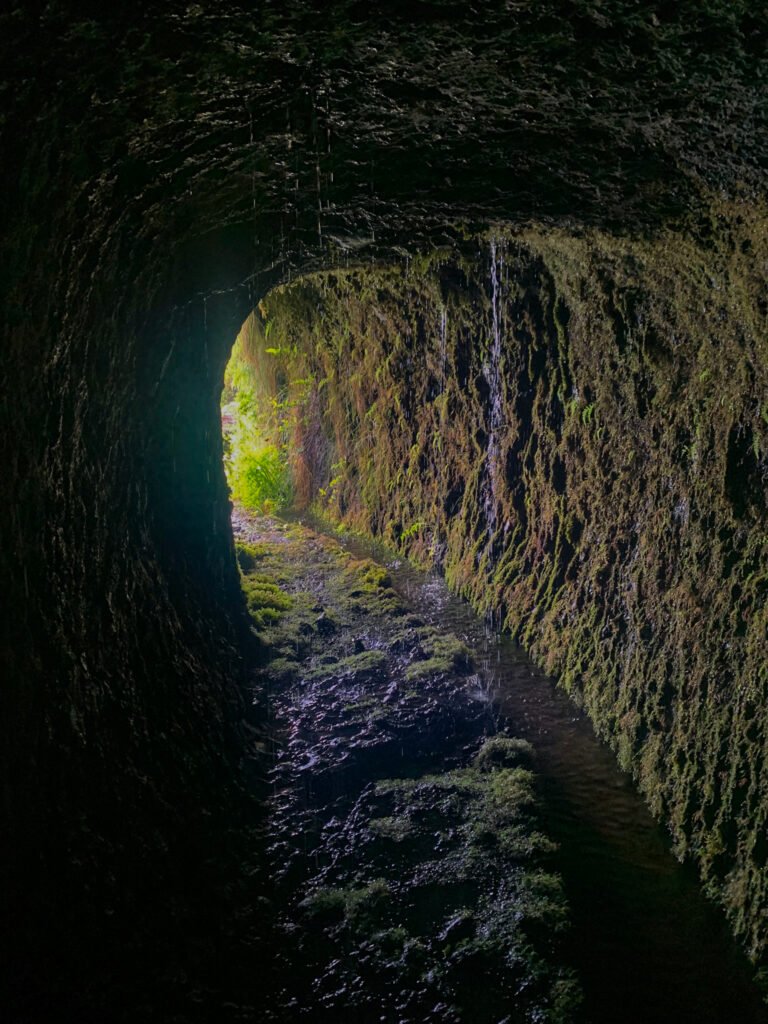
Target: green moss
column 357, row 905
column 396, row 828
column 262, row 593
column 284, row 668
column 621, row 533
column 503, row 752
column 368, row 576
column 444, row 653
column 359, row 666
column 493, row 806
column 364, row 704
column 248, row 555
column 265, row 600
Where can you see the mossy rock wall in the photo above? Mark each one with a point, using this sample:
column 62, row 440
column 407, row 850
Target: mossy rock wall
column 576, row 430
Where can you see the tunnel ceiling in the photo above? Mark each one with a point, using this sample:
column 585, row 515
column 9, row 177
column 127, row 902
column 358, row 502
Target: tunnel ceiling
column 316, row 133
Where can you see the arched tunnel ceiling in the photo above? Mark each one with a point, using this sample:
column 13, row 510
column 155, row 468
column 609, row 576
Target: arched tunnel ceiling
column 319, row 132
column 152, row 156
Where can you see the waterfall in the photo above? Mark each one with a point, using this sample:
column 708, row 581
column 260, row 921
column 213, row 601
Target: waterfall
column 492, row 372
column 443, row 346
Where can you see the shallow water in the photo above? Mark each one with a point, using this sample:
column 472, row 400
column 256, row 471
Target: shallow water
column 409, row 881
column 648, row 946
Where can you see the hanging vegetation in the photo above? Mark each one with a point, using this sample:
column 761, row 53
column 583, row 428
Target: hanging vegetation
column 574, row 429
column 253, row 424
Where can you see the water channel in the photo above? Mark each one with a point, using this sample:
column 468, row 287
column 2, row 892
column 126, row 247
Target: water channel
column 648, row 946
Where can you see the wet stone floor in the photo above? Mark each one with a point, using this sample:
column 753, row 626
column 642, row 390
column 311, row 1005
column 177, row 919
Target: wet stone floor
column 410, row 880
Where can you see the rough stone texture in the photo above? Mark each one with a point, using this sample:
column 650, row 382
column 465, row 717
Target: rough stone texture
column 577, row 431
column 160, row 169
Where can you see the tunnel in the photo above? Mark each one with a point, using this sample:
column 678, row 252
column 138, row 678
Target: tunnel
column 536, row 234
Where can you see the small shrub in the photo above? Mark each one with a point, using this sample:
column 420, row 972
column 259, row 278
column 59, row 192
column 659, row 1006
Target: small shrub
column 260, row 479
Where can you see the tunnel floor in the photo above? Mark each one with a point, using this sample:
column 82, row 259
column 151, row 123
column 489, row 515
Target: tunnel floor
column 445, row 838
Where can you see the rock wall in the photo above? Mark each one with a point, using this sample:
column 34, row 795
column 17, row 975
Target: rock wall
column 576, row 430
column 160, row 169
column 123, row 669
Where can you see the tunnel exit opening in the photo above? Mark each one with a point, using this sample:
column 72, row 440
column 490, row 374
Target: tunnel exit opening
column 255, row 406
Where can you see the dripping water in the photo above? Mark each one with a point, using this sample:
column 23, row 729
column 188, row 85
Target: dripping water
column 443, row 346
column 492, row 373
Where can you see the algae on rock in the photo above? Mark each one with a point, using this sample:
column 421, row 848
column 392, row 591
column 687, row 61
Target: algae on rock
column 428, row 894
column 575, row 427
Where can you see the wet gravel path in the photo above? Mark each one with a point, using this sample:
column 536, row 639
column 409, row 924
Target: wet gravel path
column 410, row 879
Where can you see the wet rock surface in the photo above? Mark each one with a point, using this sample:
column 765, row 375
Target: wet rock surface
column 411, row 881
column 578, row 437
column 161, row 169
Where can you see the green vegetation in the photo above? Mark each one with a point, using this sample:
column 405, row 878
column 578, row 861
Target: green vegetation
column 255, row 451
column 621, row 530
column 369, row 576
column 266, row 601
column 248, row 555
column 356, row 666
column 358, row 905
column 494, row 810
column 442, row 654
column 259, row 479
column 462, row 890
column 414, row 884
column 397, row 829
column 503, row 752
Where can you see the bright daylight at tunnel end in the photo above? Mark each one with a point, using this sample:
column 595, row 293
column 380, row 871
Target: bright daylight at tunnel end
column 384, row 521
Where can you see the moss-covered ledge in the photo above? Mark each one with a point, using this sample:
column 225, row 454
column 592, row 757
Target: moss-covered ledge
column 576, row 428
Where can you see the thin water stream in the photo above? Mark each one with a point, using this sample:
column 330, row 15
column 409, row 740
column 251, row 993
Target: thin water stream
column 649, row 947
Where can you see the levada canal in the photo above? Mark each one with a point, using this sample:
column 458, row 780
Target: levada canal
column 446, row 840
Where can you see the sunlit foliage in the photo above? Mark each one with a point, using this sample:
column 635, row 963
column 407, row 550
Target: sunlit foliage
column 255, row 455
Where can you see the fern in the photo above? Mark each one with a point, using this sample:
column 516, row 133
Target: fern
column 259, row 479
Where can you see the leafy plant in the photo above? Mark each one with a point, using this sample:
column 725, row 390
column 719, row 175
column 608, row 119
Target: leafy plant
column 259, row 479
column 412, row 530
column 255, row 449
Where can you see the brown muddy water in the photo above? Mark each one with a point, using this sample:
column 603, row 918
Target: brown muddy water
column 648, row 947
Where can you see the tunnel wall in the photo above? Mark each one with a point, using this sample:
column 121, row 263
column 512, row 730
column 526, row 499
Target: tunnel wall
column 123, row 630
column 159, row 168
column 575, row 429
